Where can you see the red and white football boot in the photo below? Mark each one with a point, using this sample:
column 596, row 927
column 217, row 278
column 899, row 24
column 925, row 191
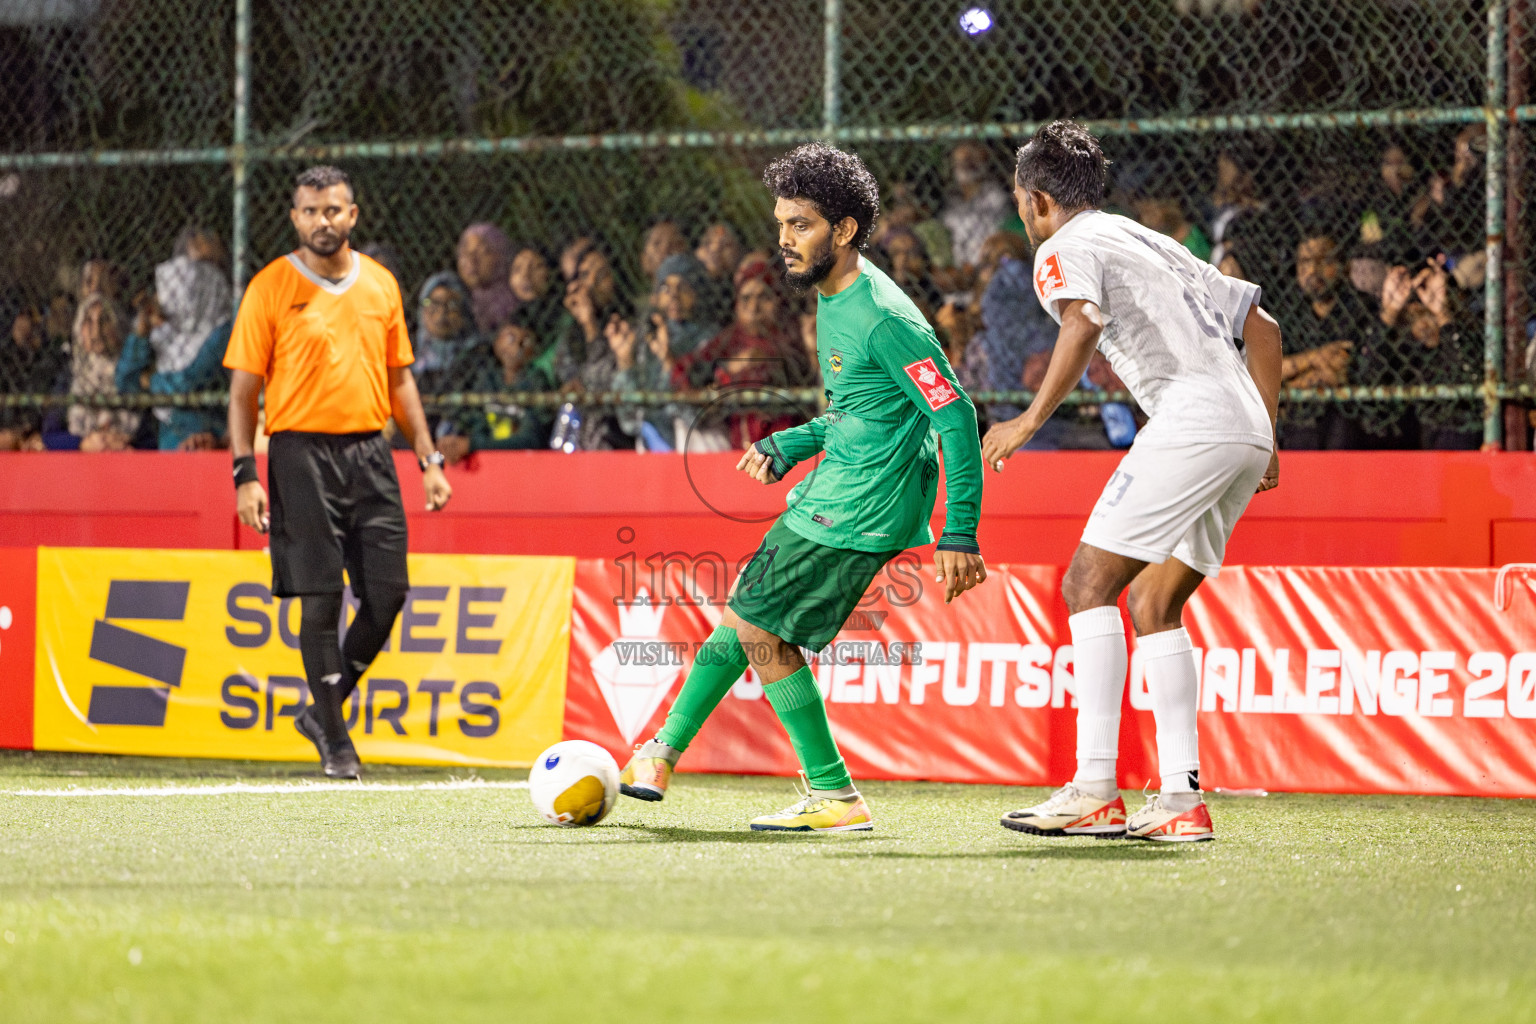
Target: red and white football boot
column 1159, row 823
column 1071, row 812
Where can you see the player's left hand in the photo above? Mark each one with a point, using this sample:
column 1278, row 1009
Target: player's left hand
column 959, row 571
column 1271, row 478
column 1003, row 439
column 437, row 488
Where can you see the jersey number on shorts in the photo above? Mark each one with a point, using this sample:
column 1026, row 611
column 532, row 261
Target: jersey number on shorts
column 1115, row 490
column 763, row 559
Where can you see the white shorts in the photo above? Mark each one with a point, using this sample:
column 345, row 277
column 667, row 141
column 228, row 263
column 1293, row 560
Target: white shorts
column 1177, row 500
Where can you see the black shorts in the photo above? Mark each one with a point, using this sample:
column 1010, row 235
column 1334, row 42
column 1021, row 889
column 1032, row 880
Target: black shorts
column 335, row 503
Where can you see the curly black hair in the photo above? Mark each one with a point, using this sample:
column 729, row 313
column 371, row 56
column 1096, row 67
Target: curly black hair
column 1064, row 161
column 836, row 183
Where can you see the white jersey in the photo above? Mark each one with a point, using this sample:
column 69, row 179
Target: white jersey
column 1169, row 324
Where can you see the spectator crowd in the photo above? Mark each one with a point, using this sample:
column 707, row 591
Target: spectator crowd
column 1376, row 289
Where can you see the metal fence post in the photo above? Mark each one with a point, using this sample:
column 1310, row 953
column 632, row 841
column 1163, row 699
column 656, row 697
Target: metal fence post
column 1517, row 432
column 238, row 160
column 1493, row 283
column 831, row 98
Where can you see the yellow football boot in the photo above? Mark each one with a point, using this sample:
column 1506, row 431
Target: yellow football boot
column 645, row 778
column 818, row 814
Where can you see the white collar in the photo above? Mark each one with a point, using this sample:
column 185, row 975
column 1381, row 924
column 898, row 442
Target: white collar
column 337, row 288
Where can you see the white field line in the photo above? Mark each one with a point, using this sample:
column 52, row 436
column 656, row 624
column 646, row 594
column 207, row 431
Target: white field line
column 241, row 788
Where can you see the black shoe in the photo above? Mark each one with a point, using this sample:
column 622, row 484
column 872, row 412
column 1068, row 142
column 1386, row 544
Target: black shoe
column 337, row 760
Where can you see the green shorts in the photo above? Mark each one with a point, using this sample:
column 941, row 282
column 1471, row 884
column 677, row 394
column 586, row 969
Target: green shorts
column 800, row 591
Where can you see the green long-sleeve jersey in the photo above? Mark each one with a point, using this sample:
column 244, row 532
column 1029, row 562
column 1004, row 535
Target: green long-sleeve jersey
column 891, row 397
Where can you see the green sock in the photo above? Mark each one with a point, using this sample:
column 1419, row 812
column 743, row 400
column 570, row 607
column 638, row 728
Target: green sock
column 719, row 663
column 797, row 702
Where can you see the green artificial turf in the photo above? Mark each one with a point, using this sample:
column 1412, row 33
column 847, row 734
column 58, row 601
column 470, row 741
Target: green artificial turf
column 459, row 906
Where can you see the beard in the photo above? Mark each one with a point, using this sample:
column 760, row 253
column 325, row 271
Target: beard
column 1318, row 289
column 325, row 241
column 1029, row 227
column 822, row 262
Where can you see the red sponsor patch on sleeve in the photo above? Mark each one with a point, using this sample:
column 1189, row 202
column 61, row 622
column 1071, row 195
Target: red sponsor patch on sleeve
column 1048, row 277
column 935, row 388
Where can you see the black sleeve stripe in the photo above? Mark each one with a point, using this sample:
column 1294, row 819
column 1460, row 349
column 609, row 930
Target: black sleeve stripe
column 781, row 465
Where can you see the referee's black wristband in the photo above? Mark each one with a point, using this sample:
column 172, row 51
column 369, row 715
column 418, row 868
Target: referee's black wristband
column 245, row 470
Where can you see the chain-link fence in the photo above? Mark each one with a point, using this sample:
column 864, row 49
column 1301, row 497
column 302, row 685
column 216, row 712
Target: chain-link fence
column 1366, row 161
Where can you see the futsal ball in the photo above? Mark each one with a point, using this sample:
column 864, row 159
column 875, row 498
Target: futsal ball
column 574, row 783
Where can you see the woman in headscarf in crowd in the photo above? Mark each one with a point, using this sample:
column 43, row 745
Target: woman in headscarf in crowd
column 640, row 355
column 532, row 281
column 101, row 277
column 176, row 342
column 484, row 261
column 193, row 297
column 682, row 319
column 758, row 349
column 97, row 340
column 683, row 310
column 445, row 334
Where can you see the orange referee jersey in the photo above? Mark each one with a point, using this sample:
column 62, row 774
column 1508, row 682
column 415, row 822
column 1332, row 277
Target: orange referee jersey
column 323, row 348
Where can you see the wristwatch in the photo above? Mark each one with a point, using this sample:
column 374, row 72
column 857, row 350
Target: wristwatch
column 435, row 459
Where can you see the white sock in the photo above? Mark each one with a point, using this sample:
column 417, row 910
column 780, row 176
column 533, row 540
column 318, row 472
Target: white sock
column 1169, row 659
column 1098, row 644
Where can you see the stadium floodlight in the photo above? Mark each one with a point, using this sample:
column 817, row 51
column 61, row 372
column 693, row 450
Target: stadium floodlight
column 976, row 21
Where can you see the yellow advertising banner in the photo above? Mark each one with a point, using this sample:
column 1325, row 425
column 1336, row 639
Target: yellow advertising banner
column 188, row 654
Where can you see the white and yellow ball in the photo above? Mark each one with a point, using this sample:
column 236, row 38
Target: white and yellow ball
column 574, row 783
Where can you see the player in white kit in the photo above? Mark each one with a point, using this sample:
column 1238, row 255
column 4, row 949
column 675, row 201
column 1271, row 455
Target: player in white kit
column 1168, row 323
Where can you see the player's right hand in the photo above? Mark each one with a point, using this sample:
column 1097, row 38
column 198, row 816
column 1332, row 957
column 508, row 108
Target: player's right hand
column 1003, row 439
column 251, row 506
column 757, row 466
column 435, row 483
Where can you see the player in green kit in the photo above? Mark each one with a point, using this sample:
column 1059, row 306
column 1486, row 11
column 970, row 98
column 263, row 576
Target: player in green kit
column 892, row 402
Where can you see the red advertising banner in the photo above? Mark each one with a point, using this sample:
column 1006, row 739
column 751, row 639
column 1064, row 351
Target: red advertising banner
column 18, row 632
column 1367, row 681
column 975, row 691
column 1330, row 680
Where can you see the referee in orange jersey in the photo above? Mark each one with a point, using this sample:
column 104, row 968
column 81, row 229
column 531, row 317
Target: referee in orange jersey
column 322, row 329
